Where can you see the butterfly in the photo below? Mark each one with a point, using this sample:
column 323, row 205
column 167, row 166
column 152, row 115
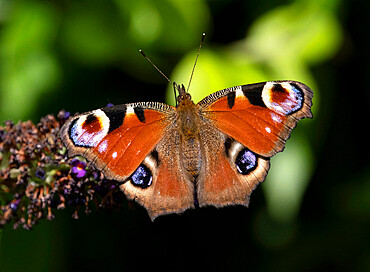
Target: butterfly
column 215, row 152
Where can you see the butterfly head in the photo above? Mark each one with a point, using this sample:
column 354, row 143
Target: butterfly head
column 184, row 96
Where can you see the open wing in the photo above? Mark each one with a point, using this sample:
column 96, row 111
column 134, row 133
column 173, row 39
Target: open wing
column 131, row 143
column 260, row 116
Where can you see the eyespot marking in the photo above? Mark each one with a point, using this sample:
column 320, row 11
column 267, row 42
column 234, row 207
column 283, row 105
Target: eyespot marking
column 92, row 123
column 283, row 98
column 246, row 161
column 142, row 177
column 88, row 130
column 90, row 119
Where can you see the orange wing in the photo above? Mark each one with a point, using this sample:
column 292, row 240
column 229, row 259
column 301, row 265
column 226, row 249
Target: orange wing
column 136, row 144
column 169, row 190
column 243, row 127
column 117, row 139
column 230, row 171
column 260, row 116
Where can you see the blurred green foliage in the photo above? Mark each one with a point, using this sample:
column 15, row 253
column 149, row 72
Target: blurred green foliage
column 38, row 38
column 80, row 55
column 28, row 64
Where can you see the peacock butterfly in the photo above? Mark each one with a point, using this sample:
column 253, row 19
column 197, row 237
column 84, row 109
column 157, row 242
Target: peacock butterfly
column 215, row 152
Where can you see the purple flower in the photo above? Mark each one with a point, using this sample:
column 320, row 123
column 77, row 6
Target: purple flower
column 14, row 205
column 110, row 105
column 67, row 114
column 64, row 115
column 40, row 173
column 78, row 168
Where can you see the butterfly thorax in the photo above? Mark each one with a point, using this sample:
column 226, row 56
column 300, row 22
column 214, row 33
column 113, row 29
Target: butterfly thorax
column 187, row 118
column 188, row 128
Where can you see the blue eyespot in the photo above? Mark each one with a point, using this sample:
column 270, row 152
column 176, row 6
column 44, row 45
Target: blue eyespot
column 142, row 177
column 246, row 161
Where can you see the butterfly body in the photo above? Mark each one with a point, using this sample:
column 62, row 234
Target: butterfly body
column 214, row 152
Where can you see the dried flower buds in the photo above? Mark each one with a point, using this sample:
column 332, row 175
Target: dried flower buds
column 36, row 177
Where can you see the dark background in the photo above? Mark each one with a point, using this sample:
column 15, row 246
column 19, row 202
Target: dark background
column 81, row 55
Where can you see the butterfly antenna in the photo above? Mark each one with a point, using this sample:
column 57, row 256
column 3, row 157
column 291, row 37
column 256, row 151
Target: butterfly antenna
column 195, row 63
column 175, row 86
column 148, row 59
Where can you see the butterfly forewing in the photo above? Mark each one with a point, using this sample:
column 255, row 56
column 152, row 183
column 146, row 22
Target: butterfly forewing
column 260, row 116
column 117, row 139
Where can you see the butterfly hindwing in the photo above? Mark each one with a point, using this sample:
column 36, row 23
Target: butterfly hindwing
column 230, row 171
column 170, row 189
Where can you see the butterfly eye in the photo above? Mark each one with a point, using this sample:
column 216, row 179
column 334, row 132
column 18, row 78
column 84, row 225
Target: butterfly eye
column 142, row 177
column 246, row 161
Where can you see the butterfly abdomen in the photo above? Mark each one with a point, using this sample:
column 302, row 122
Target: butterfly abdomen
column 191, row 156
